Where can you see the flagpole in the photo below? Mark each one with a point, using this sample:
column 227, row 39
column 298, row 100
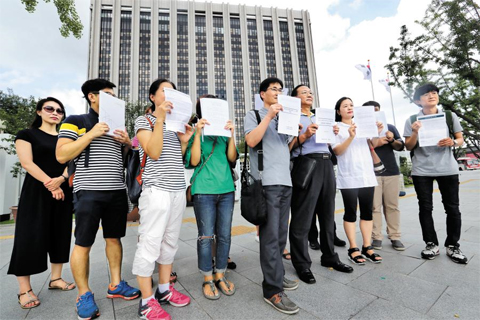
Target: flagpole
column 371, row 80
column 391, row 100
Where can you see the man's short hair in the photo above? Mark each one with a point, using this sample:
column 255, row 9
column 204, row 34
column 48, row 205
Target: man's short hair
column 267, row 82
column 371, row 103
column 95, row 85
column 424, row 88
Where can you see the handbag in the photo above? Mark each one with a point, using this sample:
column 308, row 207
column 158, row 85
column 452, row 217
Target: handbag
column 188, row 192
column 253, row 205
column 135, row 169
column 302, row 172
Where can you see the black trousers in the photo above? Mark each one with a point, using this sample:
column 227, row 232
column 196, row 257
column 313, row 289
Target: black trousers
column 448, row 186
column 313, row 234
column 318, row 197
column 273, row 238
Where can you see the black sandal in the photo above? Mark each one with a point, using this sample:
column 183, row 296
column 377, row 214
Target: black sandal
column 231, row 265
column 356, row 258
column 371, row 257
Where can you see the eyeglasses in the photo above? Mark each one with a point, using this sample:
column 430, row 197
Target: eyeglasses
column 109, row 93
column 51, row 109
column 277, row 90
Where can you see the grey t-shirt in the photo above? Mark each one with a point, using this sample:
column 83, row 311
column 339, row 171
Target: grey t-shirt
column 276, row 155
column 433, row 161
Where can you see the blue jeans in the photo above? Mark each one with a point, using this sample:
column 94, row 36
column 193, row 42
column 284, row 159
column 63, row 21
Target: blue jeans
column 214, row 221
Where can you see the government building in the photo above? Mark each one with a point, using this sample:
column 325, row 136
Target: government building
column 222, row 49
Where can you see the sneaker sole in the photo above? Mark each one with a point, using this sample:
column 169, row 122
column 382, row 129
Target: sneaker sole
column 292, row 288
column 281, row 310
column 399, row 249
column 178, row 305
column 458, row 261
column 113, row 296
column 430, row 257
column 92, row 317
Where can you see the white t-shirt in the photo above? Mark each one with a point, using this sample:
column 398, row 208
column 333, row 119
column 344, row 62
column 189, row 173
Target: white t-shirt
column 355, row 165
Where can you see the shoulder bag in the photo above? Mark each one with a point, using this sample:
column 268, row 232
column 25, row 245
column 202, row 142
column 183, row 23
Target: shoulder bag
column 252, row 202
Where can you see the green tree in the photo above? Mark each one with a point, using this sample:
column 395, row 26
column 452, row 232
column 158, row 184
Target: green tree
column 447, row 54
column 16, row 113
column 67, row 13
column 132, row 111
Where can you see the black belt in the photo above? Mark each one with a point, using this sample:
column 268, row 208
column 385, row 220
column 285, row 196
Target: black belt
column 324, row 156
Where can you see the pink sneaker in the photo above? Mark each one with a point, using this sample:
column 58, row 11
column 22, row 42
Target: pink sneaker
column 152, row 311
column 173, row 297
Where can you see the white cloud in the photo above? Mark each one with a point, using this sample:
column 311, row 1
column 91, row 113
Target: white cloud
column 336, row 73
column 36, row 60
column 355, row 4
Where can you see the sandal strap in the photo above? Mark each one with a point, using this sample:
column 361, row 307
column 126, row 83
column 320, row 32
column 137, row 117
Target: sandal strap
column 55, row 280
column 211, row 284
column 26, row 292
column 352, row 250
column 365, row 249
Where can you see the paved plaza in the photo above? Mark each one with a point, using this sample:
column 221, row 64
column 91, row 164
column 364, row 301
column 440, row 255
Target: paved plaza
column 404, row 286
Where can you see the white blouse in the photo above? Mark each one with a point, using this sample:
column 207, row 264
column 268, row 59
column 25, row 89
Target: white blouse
column 355, row 165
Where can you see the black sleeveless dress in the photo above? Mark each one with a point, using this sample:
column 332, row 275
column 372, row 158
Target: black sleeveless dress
column 44, row 225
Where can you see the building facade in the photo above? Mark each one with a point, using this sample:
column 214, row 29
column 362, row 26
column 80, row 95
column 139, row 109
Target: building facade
column 223, row 49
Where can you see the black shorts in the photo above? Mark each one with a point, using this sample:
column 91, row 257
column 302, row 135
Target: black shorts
column 92, row 206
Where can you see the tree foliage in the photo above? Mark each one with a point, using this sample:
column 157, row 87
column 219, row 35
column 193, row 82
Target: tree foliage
column 16, row 113
column 447, row 54
column 67, row 13
column 132, row 111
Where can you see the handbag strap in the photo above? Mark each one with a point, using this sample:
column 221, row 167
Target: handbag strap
column 144, row 159
column 259, row 152
column 203, row 165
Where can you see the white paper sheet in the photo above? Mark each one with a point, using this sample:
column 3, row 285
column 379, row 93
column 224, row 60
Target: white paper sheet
column 112, row 112
column 215, row 111
column 181, row 112
column 365, row 121
column 433, row 129
column 381, row 117
column 325, row 119
column 258, row 102
column 289, row 118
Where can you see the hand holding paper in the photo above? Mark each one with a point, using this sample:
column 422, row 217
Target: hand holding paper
column 216, row 112
column 178, row 117
column 325, row 119
column 112, row 112
column 365, row 121
column 289, row 118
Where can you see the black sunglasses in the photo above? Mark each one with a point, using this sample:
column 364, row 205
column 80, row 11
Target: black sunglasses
column 50, row 109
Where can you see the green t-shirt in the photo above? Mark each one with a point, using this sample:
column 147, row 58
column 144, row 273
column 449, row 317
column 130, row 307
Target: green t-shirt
column 215, row 177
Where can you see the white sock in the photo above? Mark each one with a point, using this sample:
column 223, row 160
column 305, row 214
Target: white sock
column 144, row 301
column 163, row 287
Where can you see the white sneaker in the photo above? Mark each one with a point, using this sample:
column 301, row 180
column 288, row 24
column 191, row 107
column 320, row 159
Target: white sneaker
column 456, row 254
column 430, row 251
column 257, row 238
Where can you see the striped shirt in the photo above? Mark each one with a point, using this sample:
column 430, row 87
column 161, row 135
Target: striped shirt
column 166, row 173
column 105, row 165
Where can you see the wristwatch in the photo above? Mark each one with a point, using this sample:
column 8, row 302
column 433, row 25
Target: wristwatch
column 65, row 178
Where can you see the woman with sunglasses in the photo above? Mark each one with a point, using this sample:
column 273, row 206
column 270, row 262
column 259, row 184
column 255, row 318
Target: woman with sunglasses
column 356, row 181
column 44, row 219
column 213, row 192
